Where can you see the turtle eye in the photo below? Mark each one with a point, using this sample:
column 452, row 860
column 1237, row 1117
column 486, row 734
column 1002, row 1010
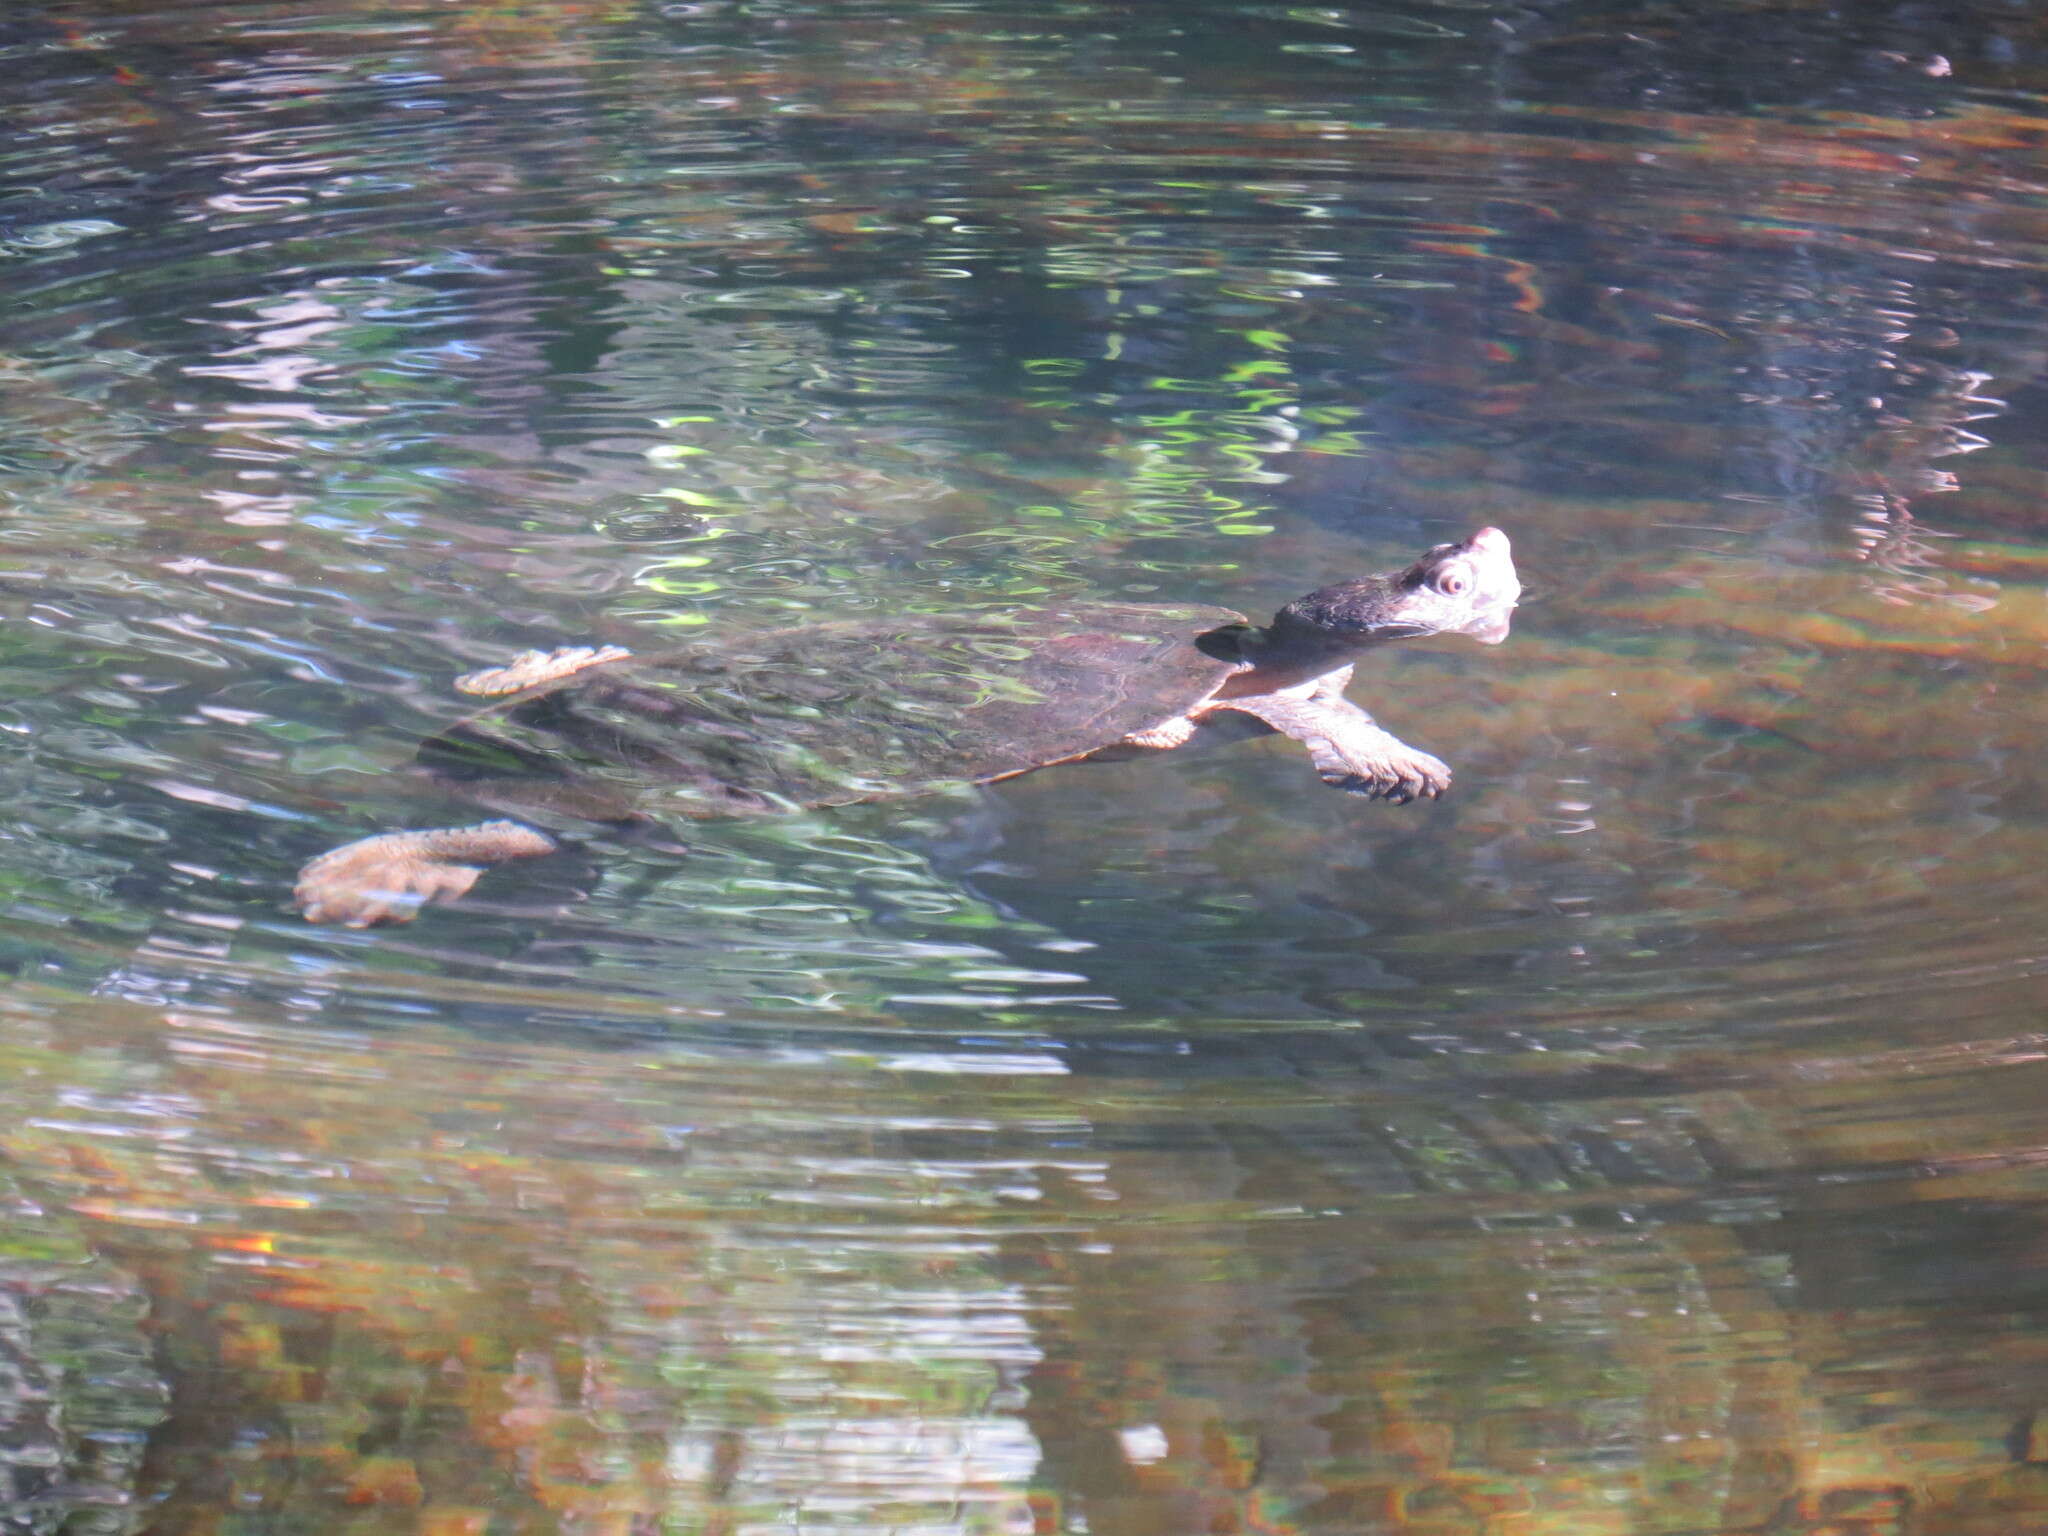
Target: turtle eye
column 1452, row 583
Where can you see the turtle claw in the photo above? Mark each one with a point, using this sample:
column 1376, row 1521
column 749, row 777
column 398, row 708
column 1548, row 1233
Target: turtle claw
column 1396, row 780
column 389, row 877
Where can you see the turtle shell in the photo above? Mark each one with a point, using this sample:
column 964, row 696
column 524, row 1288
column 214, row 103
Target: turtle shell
column 837, row 712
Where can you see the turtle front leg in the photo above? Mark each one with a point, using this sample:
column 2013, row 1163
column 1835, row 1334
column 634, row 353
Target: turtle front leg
column 389, row 877
column 1349, row 750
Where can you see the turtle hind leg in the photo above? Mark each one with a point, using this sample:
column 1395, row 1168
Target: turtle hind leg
column 1351, row 752
column 389, row 877
column 1164, row 737
column 530, row 669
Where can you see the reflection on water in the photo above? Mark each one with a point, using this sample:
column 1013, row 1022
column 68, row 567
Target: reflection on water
column 416, row 1279
column 1641, row 1140
column 78, row 1392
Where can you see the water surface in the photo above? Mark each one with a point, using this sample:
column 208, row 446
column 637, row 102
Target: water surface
column 1644, row 1139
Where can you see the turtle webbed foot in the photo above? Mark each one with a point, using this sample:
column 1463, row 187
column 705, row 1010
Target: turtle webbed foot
column 389, row 877
column 1392, row 771
column 531, row 669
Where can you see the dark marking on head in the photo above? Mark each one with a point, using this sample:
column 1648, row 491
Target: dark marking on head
column 1225, row 644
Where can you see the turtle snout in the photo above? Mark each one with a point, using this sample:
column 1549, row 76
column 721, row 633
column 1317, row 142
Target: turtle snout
column 1490, row 541
column 1493, row 628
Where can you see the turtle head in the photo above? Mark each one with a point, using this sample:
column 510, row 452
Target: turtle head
column 1467, row 588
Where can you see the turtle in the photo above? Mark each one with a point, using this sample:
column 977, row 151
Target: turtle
column 830, row 713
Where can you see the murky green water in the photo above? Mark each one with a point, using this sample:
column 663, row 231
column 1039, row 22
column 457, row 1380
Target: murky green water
column 1645, row 1140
